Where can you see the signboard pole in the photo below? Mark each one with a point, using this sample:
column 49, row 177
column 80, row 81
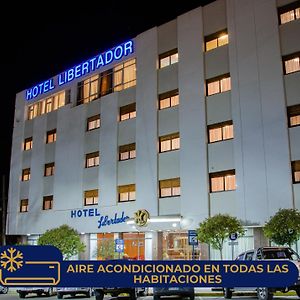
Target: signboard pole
column 193, row 253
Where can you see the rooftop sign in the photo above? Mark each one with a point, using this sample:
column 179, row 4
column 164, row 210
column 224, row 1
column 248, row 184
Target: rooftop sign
column 82, row 69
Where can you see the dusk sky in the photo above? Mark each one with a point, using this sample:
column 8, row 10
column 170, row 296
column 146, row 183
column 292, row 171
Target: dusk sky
column 38, row 43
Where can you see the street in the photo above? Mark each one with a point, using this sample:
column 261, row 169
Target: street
column 14, row 296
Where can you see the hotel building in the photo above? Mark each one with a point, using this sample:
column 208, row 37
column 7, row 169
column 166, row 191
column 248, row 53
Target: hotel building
column 189, row 119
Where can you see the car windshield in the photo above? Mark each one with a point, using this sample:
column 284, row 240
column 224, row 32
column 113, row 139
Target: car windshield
column 280, row 254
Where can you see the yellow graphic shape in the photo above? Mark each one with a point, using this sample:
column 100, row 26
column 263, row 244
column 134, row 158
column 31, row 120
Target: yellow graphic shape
column 34, row 280
column 11, row 259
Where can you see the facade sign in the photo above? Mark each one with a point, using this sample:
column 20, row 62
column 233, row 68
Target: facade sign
column 104, row 220
column 119, row 245
column 192, row 237
column 82, row 69
column 141, row 217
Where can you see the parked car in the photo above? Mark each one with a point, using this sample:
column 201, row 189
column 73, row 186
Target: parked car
column 3, row 289
column 114, row 292
column 173, row 291
column 265, row 253
column 47, row 291
column 73, row 291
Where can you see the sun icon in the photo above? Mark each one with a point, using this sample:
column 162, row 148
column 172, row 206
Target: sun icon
column 11, row 259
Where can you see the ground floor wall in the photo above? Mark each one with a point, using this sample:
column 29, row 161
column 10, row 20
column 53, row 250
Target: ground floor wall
column 162, row 245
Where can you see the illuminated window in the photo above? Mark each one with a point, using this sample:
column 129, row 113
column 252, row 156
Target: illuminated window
column 125, row 75
column 222, row 181
column 88, row 89
column 49, row 169
column 216, row 40
column 294, row 115
column 93, row 123
column 51, row 136
column 127, row 112
column 24, row 205
column 220, row 132
column 168, row 58
column 169, row 188
column 168, row 99
column 126, row 193
column 289, row 12
column 291, row 63
column 296, row 171
column 27, row 144
column 127, row 152
column 106, row 82
column 91, row 197
column 25, row 174
column 48, row 104
column 218, row 84
column 169, row 142
column 47, row 202
column 92, row 159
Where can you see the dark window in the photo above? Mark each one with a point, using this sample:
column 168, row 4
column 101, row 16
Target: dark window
column 294, row 115
column 296, row 171
column 24, row 205
column 47, row 202
column 49, row 169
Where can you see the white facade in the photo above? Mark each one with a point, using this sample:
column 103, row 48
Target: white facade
column 261, row 151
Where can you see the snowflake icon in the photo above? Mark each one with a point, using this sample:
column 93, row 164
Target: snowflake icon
column 11, row 259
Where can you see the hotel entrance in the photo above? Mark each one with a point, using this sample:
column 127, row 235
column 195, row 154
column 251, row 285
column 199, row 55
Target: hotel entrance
column 104, row 246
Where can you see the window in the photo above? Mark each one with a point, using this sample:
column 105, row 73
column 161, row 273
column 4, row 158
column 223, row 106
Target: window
column 169, row 142
column 291, row 63
column 91, row 197
column 93, row 123
column 218, row 84
column 169, row 99
column 49, row 169
column 92, row 159
column 169, row 188
column 125, row 75
column 51, row 136
column 296, row 171
column 121, row 77
column 27, row 144
column 216, row 40
column 24, row 205
column 127, row 152
column 289, row 12
column 168, row 58
column 47, row 202
column 127, row 112
column 49, row 104
column 294, row 115
column 222, row 181
column 88, row 89
column 220, row 132
column 25, row 174
column 126, row 193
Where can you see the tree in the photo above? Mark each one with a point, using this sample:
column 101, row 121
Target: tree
column 214, row 230
column 284, row 227
column 65, row 238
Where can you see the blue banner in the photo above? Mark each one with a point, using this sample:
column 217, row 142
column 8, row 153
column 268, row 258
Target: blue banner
column 44, row 266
